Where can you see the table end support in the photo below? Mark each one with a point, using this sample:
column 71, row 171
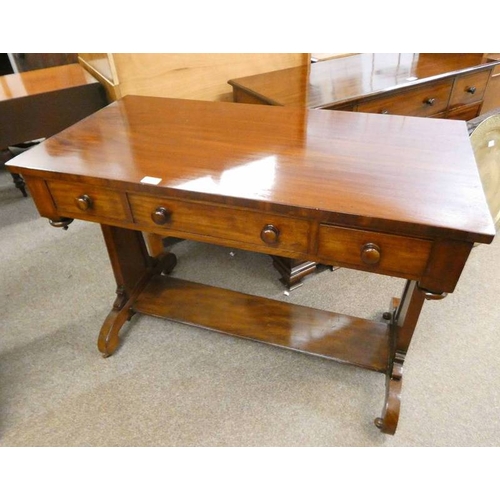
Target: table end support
column 403, row 317
column 133, row 267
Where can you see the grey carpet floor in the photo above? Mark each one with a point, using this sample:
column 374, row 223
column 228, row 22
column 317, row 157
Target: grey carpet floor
column 175, row 385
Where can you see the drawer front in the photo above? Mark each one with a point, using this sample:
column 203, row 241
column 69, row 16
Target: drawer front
column 425, row 100
column 465, row 112
column 88, row 202
column 469, row 88
column 341, row 107
column 492, row 95
column 375, row 252
column 260, row 229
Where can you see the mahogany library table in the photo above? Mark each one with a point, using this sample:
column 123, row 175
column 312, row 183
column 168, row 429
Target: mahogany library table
column 392, row 195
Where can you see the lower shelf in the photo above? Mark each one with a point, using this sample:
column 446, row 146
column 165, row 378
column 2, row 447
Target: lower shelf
column 339, row 337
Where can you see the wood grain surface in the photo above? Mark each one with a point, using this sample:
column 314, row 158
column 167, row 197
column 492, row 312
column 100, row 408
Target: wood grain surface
column 401, row 174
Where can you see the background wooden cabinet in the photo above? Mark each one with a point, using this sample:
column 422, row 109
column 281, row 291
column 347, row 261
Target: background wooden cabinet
column 427, row 85
column 492, row 94
column 30, row 61
column 189, row 76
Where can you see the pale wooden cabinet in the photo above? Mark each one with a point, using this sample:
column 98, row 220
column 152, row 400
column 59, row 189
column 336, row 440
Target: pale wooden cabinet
column 188, row 76
column 492, row 94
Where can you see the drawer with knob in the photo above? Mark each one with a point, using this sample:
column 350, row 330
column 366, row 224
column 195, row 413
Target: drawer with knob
column 88, row 202
column 371, row 251
column 173, row 216
column 426, row 100
column 469, row 88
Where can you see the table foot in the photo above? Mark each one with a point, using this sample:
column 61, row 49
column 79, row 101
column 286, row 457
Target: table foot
column 169, row 263
column 122, row 311
column 20, row 184
column 108, row 340
column 293, row 271
column 403, row 317
column 388, row 422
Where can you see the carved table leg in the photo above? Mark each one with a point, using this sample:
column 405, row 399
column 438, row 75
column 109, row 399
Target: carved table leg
column 133, row 267
column 20, row 184
column 293, row 271
column 404, row 320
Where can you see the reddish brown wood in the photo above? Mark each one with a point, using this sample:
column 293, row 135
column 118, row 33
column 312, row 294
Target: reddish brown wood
column 128, row 254
column 42, row 197
column 376, row 252
column 385, row 194
column 293, row 270
column 426, row 100
column 346, row 82
column 370, row 254
column 32, row 61
column 404, row 322
column 388, row 422
column 275, row 160
column 43, row 102
column 77, row 198
column 445, row 265
column 465, row 113
column 469, row 88
column 344, row 338
column 429, row 85
column 37, row 104
column 154, row 243
column 133, row 268
column 172, row 215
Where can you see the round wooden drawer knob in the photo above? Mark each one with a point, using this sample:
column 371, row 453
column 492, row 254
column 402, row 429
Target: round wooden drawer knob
column 370, row 253
column 84, row 202
column 160, row 216
column 270, row 234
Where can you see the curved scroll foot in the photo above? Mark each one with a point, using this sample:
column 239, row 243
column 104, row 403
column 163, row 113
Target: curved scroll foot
column 122, row 311
column 108, row 340
column 388, row 422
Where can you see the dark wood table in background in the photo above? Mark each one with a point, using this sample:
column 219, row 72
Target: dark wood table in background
column 438, row 85
column 39, row 103
column 428, row 85
column 389, row 195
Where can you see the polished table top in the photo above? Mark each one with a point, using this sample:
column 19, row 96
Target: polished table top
column 401, row 174
column 44, row 80
column 340, row 80
column 37, row 104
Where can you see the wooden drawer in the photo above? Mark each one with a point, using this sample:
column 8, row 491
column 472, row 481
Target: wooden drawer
column 87, row 202
column 469, row 88
column 263, row 230
column 374, row 252
column 465, row 112
column 492, row 94
column 425, row 100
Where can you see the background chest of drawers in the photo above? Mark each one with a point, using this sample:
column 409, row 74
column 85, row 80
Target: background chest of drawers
column 428, row 85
